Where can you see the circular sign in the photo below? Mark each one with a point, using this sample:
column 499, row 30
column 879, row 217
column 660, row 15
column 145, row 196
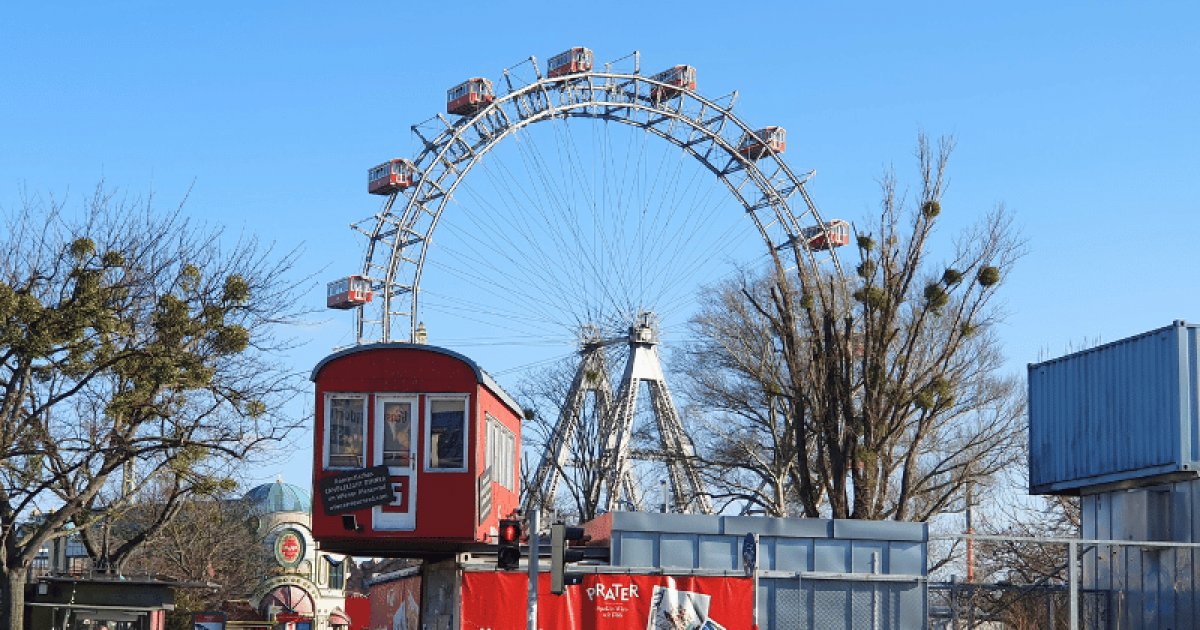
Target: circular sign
column 289, row 548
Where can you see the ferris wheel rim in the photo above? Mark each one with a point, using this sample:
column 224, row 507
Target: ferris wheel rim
column 436, row 153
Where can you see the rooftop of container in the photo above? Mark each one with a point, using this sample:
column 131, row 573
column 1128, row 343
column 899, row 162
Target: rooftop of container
column 1179, row 323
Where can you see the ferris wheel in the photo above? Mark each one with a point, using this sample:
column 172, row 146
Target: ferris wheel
column 581, row 198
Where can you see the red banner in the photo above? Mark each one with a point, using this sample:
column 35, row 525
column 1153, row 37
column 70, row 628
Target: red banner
column 498, row 601
column 208, row 621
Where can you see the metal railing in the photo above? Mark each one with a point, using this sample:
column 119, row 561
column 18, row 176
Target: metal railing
column 1070, row 583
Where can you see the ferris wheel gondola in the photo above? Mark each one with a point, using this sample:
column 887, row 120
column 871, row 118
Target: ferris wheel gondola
column 469, row 97
column 674, row 81
column 572, row 61
column 756, row 144
column 390, row 177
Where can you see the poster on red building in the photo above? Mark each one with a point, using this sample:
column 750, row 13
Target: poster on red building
column 396, row 605
column 497, row 601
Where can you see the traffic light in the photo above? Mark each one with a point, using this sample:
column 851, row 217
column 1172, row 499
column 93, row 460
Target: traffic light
column 561, row 553
column 508, row 541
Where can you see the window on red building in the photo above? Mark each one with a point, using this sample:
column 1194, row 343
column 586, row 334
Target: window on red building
column 447, row 432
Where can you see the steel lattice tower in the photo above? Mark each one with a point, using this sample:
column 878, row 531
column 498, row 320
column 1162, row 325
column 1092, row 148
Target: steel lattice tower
column 615, row 479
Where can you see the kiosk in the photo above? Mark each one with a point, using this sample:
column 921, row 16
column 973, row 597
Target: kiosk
column 415, row 452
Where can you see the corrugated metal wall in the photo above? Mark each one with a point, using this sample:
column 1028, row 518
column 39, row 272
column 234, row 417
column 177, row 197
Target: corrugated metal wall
column 1148, row 587
column 814, row 573
column 1123, row 411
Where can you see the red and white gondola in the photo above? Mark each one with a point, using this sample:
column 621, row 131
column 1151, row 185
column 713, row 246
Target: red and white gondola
column 390, row 177
column 755, row 145
column 469, row 97
column 677, row 79
column 573, row 61
column 834, row 233
column 348, row 292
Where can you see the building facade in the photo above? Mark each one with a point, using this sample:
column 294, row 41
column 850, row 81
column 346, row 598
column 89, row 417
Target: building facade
column 306, row 588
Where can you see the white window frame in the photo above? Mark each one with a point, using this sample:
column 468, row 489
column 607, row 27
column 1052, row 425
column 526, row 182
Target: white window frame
column 501, row 453
column 414, row 404
column 426, row 465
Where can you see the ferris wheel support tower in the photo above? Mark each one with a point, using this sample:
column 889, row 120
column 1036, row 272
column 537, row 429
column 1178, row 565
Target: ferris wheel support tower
column 614, row 483
column 676, row 448
column 591, row 377
column 615, row 478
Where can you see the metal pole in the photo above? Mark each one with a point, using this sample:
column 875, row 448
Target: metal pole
column 971, row 603
column 876, row 568
column 954, row 601
column 970, row 585
column 755, row 585
column 970, row 541
column 750, row 566
column 1073, row 567
column 534, row 560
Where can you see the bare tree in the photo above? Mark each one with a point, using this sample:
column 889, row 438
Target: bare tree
column 736, row 383
column 582, row 469
column 1033, row 563
column 134, row 346
column 876, row 396
column 214, row 541
column 1022, row 579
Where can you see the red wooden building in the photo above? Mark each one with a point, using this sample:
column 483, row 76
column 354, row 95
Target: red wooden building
column 445, row 433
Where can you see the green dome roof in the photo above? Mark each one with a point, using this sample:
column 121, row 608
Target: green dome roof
column 279, row 497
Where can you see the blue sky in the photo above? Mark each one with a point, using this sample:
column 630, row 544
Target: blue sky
column 1080, row 117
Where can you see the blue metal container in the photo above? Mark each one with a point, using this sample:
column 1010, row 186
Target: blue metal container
column 812, row 573
column 1122, row 414
column 1145, row 586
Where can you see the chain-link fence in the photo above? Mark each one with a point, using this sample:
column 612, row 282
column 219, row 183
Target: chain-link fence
column 955, row 605
column 829, row 603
